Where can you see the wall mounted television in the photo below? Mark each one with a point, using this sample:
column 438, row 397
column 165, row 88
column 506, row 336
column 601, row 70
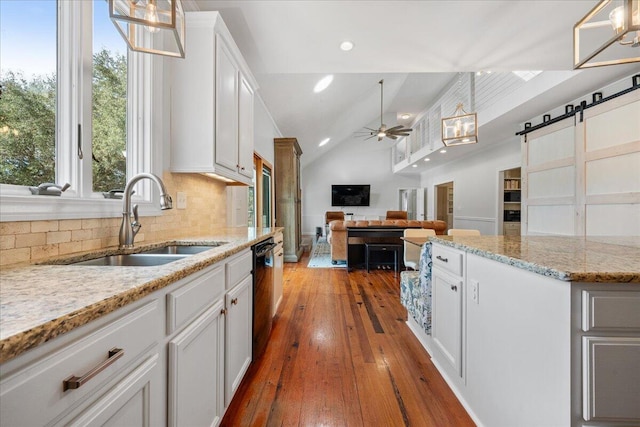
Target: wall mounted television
column 350, row 195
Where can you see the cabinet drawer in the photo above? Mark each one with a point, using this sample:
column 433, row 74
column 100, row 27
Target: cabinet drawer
column 186, row 302
column 39, row 386
column 611, row 310
column 448, row 259
column 238, row 268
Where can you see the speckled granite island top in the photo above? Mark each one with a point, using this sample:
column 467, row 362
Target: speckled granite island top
column 40, row 302
column 578, row 259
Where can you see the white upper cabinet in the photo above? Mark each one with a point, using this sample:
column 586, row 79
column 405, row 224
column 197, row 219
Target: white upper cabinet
column 212, row 103
column 245, row 128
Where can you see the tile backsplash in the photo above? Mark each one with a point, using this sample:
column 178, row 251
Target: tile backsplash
column 31, row 241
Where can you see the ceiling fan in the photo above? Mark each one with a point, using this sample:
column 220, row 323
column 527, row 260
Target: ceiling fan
column 382, row 131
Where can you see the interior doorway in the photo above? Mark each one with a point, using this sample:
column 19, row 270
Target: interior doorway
column 509, row 202
column 413, row 201
column 444, row 203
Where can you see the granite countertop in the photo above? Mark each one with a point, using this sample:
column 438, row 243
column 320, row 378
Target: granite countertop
column 40, row 302
column 594, row 259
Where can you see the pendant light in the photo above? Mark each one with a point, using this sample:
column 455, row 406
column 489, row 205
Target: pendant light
column 150, row 26
column 462, row 127
column 608, row 35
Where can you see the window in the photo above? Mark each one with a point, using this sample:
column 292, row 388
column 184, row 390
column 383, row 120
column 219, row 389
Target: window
column 109, row 103
column 76, row 109
column 261, row 199
column 29, row 88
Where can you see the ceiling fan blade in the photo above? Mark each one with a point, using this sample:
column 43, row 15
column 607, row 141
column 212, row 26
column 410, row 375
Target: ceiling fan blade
column 392, row 136
column 372, row 130
column 395, row 128
column 370, row 137
column 400, row 134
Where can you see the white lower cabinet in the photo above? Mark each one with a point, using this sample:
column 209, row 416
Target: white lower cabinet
column 196, row 358
column 447, row 318
column 129, row 403
column 239, row 303
column 447, row 314
column 94, row 363
column 522, row 349
column 142, row 365
column 210, row 355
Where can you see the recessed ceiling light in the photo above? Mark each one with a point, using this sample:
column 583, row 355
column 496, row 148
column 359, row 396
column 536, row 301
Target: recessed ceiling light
column 346, row 45
column 405, row 116
column 427, row 159
column 414, row 166
column 324, row 141
column 323, row 83
column 443, row 151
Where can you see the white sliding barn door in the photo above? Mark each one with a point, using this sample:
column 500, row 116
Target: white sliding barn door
column 583, row 178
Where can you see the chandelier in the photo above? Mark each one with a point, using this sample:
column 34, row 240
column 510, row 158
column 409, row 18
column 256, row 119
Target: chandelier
column 151, row 26
column 461, row 128
column 609, row 34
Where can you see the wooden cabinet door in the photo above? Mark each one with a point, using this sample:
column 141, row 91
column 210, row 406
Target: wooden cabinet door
column 226, row 108
column 239, row 304
column 196, row 367
column 447, row 318
column 245, row 129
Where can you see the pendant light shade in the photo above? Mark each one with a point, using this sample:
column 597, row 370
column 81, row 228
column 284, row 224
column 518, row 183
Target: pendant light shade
column 151, row 26
column 609, row 34
column 460, row 129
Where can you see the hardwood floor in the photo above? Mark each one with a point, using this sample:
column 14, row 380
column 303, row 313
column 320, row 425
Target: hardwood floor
column 340, row 354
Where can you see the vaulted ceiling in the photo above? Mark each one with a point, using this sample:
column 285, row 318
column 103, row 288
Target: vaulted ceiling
column 416, row 46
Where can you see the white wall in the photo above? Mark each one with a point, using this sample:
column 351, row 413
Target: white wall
column 475, row 185
column 264, row 130
column 355, row 162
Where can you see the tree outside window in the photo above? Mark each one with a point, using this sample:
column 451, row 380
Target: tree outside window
column 28, row 106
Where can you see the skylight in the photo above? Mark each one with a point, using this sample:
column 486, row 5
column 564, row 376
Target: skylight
column 526, row 75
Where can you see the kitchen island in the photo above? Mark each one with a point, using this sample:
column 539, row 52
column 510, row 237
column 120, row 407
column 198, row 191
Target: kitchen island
column 145, row 345
column 537, row 330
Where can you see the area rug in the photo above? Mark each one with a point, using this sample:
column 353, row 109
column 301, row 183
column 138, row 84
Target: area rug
column 321, row 256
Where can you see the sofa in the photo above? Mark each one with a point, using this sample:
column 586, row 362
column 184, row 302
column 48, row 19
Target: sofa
column 338, row 232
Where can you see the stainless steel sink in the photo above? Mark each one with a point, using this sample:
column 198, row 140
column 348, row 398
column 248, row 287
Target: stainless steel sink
column 148, row 258
column 183, row 249
column 132, row 260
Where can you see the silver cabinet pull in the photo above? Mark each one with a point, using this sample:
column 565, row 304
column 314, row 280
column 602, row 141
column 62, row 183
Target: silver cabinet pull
column 74, row 382
column 442, row 259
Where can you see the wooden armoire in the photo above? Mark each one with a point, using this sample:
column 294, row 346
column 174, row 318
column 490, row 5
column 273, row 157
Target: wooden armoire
column 288, row 195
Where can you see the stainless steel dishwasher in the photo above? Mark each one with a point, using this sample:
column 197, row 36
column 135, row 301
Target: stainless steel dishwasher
column 262, row 294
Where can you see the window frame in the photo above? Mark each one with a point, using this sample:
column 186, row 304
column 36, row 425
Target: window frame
column 73, row 108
